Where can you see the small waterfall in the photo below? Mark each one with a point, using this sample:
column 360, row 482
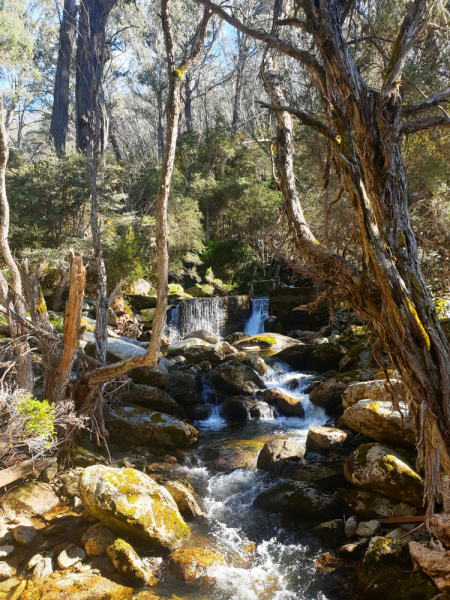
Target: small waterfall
column 260, row 312
column 201, row 313
column 173, row 322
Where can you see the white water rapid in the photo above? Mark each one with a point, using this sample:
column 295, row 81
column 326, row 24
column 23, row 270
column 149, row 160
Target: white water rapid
column 260, row 312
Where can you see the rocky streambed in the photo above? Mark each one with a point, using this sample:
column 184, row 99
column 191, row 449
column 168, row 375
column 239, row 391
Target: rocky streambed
column 257, row 468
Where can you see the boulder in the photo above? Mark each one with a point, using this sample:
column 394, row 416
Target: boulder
column 331, row 532
column 296, row 355
column 28, row 500
column 368, row 529
column 328, row 393
column 203, row 334
column 198, row 412
column 142, row 301
column 119, row 349
column 152, row 398
column 434, row 563
column 235, row 337
column 141, row 287
column 372, row 505
column 129, row 502
column 325, row 439
column 386, row 573
column 325, row 357
column 141, row 426
column 235, row 378
column 78, row 586
column 184, row 498
column 182, row 387
column 230, row 455
column 25, row 535
column 327, row 474
column 181, row 346
column 192, row 564
column 273, row 325
column 372, row 390
column 214, row 355
column 279, row 450
column 358, row 356
column 304, row 500
column 241, row 408
column 256, row 363
column 126, row 560
column 380, row 469
column 287, row 405
column 379, row 421
column 97, row 538
column 274, row 341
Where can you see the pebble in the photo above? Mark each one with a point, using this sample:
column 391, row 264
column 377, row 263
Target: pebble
column 42, row 569
column 70, row 556
column 76, row 502
column 368, row 529
column 351, row 526
column 25, row 534
column 5, row 551
column 5, row 570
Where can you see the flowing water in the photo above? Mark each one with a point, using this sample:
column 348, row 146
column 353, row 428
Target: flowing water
column 260, row 312
column 281, row 565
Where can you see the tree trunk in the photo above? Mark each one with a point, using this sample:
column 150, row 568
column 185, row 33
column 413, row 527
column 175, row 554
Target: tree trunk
column 161, row 145
column 188, row 103
column 60, row 111
column 115, row 142
column 14, row 301
column 390, row 291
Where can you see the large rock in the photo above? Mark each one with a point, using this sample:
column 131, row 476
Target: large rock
column 296, row 356
column 28, row 500
column 386, row 573
column 287, row 405
column 118, row 349
column 378, row 468
column 230, row 455
column 331, row 532
column 180, row 347
column 325, row 357
column 379, row 420
column 304, row 500
column 126, row 560
column 191, row 564
column 97, row 538
column 141, row 426
column 327, row 474
column 274, row 341
column 78, row 586
column 182, row 387
column 152, row 398
column 436, row 564
column 129, row 502
column 203, row 334
column 242, row 408
column 359, row 356
column 141, row 287
column 372, row 505
column 142, row 301
column 183, row 495
column 214, row 355
column 235, row 378
column 372, row 390
column 328, row 394
column 325, row 439
column 279, row 450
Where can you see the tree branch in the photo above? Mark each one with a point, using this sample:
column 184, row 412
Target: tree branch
column 426, row 104
column 304, row 117
column 294, row 23
column 424, row 124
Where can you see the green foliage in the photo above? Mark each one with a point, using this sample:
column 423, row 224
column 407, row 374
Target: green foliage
column 16, row 42
column 38, row 418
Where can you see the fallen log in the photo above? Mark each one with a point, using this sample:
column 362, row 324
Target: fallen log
column 411, row 519
column 23, row 469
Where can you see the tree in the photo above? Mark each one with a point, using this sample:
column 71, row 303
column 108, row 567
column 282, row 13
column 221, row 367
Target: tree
column 365, row 127
column 60, row 110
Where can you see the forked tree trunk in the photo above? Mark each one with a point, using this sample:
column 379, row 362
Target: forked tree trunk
column 390, row 290
column 60, row 111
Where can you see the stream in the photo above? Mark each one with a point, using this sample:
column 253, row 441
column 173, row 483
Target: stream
column 284, row 552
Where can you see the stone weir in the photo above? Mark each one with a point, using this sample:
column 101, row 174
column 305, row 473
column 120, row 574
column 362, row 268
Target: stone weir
column 219, row 315
column 282, row 302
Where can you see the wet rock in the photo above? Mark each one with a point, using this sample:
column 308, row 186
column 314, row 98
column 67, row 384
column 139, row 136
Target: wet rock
column 78, row 586
column 128, row 501
column 380, row 421
column 274, row 341
column 183, row 495
column 328, row 394
column 202, row 334
column 213, row 355
column 331, row 532
column 152, row 398
column 296, row 356
column 327, row 473
column 279, row 450
column 180, row 347
column 240, row 408
column 198, row 412
column 25, row 535
column 192, row 564
column 126, row 560
column 368, row 529
column 372, row 505
column 141, row 426
column 235, row 378
column 234, row 454
column 256, row 363
column 386, row 573
column 182, row 387
column 325, row 357
column 43, row 568
column 97, row 538
column 380, row 469
column 354, row 550
column 30, row 499
column 6, row 551
column 434, row 563
column 287, row 404
column 325, row 439
column 351, row 526
column 372, row 390
column 70, row 556
column 305, row 500
column 5, row 570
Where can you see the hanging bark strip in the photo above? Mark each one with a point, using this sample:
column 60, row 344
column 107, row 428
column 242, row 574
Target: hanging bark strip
column 390, row 291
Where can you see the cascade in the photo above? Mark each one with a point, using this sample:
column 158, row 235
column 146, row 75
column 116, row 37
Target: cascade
column 260, row 312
